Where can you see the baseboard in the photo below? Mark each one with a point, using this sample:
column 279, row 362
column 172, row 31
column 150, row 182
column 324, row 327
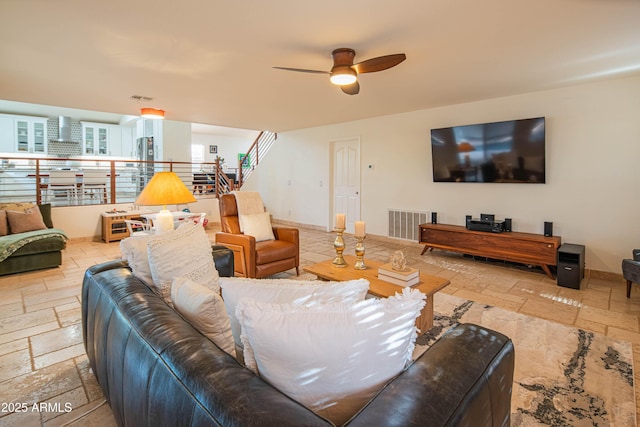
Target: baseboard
column 297, row 225
column 605, row 275
column 589, row 273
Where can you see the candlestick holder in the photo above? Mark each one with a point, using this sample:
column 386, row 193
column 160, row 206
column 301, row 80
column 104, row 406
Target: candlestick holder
column 339, row 245
column 360, row 265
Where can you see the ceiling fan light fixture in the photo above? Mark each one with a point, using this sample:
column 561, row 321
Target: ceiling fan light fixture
column 344, row 72
column 343, row 75
column 152, row 113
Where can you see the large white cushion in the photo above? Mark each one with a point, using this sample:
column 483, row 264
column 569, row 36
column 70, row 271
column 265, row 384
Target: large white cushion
column 185, row 251
column 257, row 225
column 284, row 291
column 134, row 250
column 205, row 310
column 332, row 358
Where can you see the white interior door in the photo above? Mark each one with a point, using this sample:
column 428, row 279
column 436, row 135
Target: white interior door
column 346, row 181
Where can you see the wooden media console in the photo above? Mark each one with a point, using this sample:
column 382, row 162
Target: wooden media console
column 526, row 248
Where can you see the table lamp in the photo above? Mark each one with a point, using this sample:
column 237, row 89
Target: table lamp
column 164, row 188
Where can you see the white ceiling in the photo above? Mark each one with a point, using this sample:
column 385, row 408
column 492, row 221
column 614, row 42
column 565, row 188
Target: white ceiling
column 211, row 61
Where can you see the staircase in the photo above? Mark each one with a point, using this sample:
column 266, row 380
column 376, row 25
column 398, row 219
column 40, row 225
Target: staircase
column 258, row 149
column 246, row 165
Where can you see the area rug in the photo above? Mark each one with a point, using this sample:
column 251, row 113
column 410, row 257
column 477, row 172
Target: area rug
column 563, row 376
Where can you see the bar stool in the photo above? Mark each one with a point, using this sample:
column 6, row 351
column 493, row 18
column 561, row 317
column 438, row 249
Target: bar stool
column 94, row 183
column 62, row 181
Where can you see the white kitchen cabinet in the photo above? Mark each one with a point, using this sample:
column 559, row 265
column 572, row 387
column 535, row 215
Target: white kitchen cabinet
column 102, row 139
column 115, row 141
column 95, row 139
column 128, row 142
column 7, row 135
column 30, row 134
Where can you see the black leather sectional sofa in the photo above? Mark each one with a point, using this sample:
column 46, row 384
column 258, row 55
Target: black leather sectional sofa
column 155, row 369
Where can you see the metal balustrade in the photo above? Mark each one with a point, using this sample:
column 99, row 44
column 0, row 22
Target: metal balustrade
column 99, row 181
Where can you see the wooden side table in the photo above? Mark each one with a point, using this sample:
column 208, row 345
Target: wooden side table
column 113, row 226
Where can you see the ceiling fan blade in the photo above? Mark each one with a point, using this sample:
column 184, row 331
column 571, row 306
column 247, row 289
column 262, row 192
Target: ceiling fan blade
column 302, row 70
column 380, row 63
column 351, row 89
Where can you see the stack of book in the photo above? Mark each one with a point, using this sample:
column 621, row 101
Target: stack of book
column 407, row 277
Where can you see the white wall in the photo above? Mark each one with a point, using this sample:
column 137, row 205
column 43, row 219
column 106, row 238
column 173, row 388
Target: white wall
column 592, row 194
column 228, row 147
column 176, row 141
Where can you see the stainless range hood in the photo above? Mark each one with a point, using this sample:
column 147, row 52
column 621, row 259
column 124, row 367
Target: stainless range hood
column 64, row 130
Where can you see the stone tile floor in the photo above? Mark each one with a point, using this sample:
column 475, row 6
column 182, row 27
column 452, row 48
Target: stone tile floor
column 42, row 358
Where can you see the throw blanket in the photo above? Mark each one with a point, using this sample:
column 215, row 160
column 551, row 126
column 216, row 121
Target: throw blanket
column 12, row 242
column 249, row 203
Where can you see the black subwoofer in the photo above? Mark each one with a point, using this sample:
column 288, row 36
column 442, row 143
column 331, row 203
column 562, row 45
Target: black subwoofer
column 570, row 265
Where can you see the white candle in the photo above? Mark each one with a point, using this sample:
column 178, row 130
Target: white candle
column 359, row 228
column 340, row 220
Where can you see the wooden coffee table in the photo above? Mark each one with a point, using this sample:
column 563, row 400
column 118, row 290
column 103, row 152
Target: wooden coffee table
column 428, row 284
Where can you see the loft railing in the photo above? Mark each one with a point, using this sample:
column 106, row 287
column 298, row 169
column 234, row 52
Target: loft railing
column 68, row 182
column 259, row 148
column 100, row 181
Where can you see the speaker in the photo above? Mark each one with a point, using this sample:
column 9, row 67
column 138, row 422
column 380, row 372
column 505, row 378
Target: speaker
column 487, row 217
column 434, row 217
column 548, row 229
column 507, row 224
column 467, row 220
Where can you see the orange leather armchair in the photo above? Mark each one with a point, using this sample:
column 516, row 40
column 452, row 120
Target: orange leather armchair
column 257, row 259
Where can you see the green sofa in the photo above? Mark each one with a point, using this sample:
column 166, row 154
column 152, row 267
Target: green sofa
column 32, row 250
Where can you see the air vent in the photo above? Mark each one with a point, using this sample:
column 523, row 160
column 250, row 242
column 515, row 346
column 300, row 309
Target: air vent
column 405, row 224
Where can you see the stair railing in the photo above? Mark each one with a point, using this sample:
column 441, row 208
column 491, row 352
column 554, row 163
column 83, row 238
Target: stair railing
column 257, row 150
column 223, row 183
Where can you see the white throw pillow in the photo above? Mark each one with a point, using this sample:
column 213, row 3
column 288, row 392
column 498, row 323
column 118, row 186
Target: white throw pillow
column 185, row 251
column 333, row 358
column 284, row 291
column 205, row 310
column 134, row 250
column 257, row 225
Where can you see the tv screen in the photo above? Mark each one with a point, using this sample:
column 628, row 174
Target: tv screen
column 511, row 151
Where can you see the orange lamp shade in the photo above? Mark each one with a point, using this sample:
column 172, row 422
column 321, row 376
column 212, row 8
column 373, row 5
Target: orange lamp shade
column 152, row 113
column 165, row 188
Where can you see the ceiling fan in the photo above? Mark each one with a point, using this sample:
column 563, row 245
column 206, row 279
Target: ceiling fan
column 345, row 73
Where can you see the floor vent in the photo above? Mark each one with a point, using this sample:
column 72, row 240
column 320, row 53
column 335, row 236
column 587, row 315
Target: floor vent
column 404, row 224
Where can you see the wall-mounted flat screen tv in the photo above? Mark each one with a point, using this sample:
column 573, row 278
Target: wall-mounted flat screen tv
column 511, row 152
